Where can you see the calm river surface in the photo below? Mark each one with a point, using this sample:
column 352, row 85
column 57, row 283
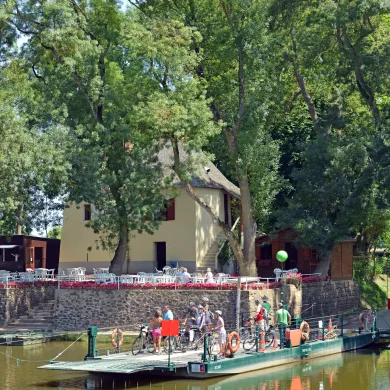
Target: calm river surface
column 366, row 369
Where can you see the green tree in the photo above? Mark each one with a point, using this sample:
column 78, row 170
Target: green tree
column 55, row 232
column 33, row 162
column 336, row 190
column 231, row 64
column 91, row 83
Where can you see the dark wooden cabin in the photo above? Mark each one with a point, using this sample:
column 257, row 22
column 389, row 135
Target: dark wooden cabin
column 20, row 252
column 305, row 259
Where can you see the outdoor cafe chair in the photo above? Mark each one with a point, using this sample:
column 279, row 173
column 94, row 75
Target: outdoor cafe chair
column 278, row 274
column 158, row 272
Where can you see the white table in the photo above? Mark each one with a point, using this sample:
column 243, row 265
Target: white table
column 198, row 279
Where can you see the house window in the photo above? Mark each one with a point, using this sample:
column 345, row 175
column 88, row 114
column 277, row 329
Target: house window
column 265, row 255
column 266, row 252
column 167, row 213
column 87, row 212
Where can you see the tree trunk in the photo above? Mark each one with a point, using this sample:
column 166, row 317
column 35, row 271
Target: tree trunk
column 249, row 228
column 19, row 225
column 230, row 236
column 116, row 265
column 324, row 264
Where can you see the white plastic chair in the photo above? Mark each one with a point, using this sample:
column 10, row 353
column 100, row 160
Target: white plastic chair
column 278, row 274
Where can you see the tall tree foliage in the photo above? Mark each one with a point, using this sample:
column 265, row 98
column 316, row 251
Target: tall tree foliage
column 92, row 80
column 337, row 186
column 33, row 166
column 232, row 63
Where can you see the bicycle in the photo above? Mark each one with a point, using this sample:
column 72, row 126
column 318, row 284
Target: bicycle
column 143, row 341
column 250, row 341
column 185, row 344
column 247, row 330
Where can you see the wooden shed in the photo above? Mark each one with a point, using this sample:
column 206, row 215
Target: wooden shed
column 20, row 252
column 305, row 259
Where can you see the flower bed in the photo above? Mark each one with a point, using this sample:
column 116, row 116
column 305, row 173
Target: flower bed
column 91, row 285
column 146, row 286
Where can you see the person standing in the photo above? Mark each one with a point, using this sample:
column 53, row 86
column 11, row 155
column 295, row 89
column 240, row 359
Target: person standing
column 259, row 319
column 155, row 325
column 283, row 319
column 209, row 316
column 267, row 307
column 200, row 319
column 168, row 313
column 220, row 328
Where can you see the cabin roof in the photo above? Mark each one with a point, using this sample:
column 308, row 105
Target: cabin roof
column 202, row 179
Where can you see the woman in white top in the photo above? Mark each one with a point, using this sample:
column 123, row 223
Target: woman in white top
column 220, row 328
column 209, row 276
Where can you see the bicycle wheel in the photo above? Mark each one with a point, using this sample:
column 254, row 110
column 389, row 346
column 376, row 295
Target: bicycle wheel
column 198, row 341
column 249, row 343
column 184, row 342
column 137, row 346
column 149, row 344
column 244, row 333
column 170, row 342
column 212, row 346
column 269, row 338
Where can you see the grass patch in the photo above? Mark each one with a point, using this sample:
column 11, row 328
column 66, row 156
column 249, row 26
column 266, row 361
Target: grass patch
column 373, row 288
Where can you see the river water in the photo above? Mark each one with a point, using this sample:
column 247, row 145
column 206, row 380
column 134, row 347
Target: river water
column 361, row 370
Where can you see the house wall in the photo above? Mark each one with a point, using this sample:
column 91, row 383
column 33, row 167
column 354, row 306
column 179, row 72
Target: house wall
column 342, row 261
column 206, row 230
column 341, row 265
column 178, row 235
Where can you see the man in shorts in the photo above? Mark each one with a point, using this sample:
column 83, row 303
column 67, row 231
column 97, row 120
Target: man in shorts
column 259, row 319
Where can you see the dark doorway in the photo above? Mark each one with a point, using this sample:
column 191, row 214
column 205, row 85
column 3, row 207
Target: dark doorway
column 161, row 254
column 292, row 259
column 38, row 261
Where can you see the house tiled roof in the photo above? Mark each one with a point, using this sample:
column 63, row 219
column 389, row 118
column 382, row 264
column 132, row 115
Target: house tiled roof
column 203, row 179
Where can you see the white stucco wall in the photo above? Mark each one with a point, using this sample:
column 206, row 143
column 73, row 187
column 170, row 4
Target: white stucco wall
column 179, row 236
column 206, row 230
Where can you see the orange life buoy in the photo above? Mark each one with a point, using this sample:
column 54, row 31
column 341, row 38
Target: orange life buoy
column 306, row 333
column 114, row 334
column 231, row 336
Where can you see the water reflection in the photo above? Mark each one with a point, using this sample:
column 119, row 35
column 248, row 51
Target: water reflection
column 363, row 370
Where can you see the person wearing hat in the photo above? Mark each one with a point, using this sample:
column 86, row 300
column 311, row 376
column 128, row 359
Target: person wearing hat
column 192, row 314
column 267, row 307
column 283, row 319
column 220, row 328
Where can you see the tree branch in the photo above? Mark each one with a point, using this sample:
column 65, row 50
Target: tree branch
column 301, row 82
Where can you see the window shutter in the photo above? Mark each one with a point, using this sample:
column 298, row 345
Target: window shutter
column 171, row 210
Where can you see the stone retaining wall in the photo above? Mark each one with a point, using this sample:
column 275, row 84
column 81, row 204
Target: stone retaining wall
column 77, row 309
column 329, row 298
column 16, row 302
